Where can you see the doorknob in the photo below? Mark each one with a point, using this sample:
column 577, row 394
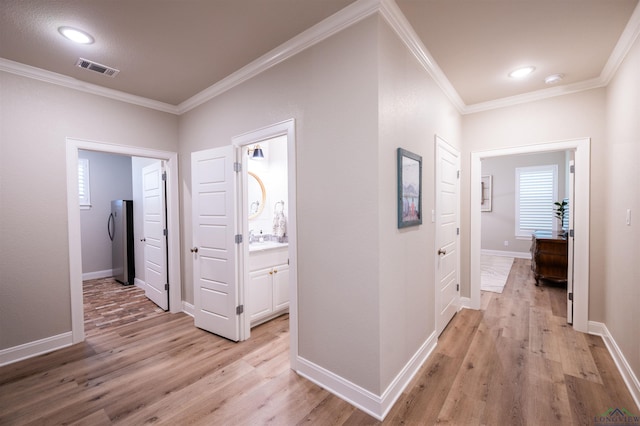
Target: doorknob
column 194, row 250
column 442, row 251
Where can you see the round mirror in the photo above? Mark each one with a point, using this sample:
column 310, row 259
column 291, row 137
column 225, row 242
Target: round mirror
column 256, row 195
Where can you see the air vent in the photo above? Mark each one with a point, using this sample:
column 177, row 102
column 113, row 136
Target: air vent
column 94, row 66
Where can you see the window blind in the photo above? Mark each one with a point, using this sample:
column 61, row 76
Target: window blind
column 84, row 192
column 536, row 191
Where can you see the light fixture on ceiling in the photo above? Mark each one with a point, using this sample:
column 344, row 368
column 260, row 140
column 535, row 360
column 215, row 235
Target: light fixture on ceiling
column 553, row 78
column 76, row 35
column 255, row 153
column 522, row 72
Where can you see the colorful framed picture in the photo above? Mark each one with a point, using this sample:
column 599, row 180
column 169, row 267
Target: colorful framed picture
column 409, row 189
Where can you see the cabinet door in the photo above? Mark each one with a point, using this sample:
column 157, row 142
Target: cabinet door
column 260, row 303
column 280, row 287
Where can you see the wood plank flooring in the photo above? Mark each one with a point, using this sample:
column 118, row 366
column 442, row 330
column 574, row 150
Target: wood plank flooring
column 515, row 362
column 109, row 304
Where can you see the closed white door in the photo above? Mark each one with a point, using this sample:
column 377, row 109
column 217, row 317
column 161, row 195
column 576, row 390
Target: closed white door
column 155, row 239
column 447, row 233
column 570, row 243
column 213, row 187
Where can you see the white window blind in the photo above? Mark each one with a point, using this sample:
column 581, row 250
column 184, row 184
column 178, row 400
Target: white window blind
column 536, row 191
column 84, row 188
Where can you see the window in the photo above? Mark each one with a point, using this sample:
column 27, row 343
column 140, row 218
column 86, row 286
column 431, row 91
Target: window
column 536, row 191
column 84, row 189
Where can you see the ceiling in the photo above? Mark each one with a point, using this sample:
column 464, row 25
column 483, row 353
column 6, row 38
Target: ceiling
column 169, row 50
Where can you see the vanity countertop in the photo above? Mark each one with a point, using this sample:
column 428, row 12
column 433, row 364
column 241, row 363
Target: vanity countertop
column 267, row 245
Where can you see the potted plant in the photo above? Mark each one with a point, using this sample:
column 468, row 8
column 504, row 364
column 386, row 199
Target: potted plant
column 561, row 209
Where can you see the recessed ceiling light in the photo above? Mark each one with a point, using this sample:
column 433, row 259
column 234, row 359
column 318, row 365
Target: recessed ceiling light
column 554, row 78
column 76, row 35
column 521, row 72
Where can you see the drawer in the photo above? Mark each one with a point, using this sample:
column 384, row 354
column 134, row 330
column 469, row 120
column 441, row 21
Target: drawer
column 263, row 259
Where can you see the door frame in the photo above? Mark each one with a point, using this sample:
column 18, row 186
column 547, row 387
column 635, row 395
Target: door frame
column 441, row 143
column 73, row 217
column 284, row 128
column 582, row 149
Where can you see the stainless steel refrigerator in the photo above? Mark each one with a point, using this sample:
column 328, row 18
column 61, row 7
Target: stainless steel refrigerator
column 120, row 229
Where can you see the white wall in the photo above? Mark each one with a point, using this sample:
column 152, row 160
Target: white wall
column 498, row 225
column 36, row 118
column 412, row 110
column 330, row 90
column 565, row 117
column 110, row 179
column 622, row 242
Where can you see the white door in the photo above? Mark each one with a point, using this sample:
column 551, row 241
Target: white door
column 155, row 241
column 447, row 233
column 213, row 188
column 570, row 244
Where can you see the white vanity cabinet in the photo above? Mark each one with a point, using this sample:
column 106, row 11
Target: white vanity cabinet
column 268, row 284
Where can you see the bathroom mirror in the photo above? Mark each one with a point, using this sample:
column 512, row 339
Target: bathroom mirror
column 256, row 195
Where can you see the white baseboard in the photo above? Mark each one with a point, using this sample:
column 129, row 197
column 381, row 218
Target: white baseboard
column 516, row 254
column 465, row 303
column 188, row 308
column 139, row 283
column 97, row 275
column 376, row 406
column 38, row 347
column 630, row 379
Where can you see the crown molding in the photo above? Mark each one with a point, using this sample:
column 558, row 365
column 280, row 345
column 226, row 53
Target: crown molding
column 72, row 83
column 337, row 22
column 622, row 47
column 537, row 95
column 399, row 23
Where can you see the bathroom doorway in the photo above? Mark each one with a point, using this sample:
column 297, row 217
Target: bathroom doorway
column 269, row 273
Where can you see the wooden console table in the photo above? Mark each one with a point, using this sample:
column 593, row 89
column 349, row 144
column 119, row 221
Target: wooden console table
column 549, row 256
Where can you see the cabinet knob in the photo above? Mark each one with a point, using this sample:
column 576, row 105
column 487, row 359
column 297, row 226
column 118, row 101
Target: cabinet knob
column 442, row 251
column 194, row 250
column 275, row 271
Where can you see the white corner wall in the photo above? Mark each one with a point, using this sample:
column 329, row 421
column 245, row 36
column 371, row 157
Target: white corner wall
column 412, row 110
column 621, row 249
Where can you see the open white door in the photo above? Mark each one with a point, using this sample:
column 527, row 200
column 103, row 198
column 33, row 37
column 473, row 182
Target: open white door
column 155, row 239
column 447, row 233
column 570, row 243
column 213, row 187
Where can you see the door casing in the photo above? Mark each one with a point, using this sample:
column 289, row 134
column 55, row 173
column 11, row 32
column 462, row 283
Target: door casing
column 582, row 175
column 285, row 128
column 73, row 217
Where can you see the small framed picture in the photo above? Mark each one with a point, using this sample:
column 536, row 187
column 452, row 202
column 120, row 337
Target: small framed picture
column 486, row 182
column 409, row 189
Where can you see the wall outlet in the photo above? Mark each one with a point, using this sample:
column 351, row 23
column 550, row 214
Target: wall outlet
column 506, row 243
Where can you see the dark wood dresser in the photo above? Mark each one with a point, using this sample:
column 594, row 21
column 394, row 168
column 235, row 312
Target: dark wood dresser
column 549, row 256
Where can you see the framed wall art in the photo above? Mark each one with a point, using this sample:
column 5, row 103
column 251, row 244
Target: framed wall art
column 409, row 189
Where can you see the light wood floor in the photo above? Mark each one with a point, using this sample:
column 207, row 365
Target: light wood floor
column 515, row 362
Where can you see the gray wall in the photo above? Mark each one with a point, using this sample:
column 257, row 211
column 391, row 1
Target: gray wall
column 36, row 118
column 110, row 179
column 365, row 291
column 498, row 225
column 622, row 182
